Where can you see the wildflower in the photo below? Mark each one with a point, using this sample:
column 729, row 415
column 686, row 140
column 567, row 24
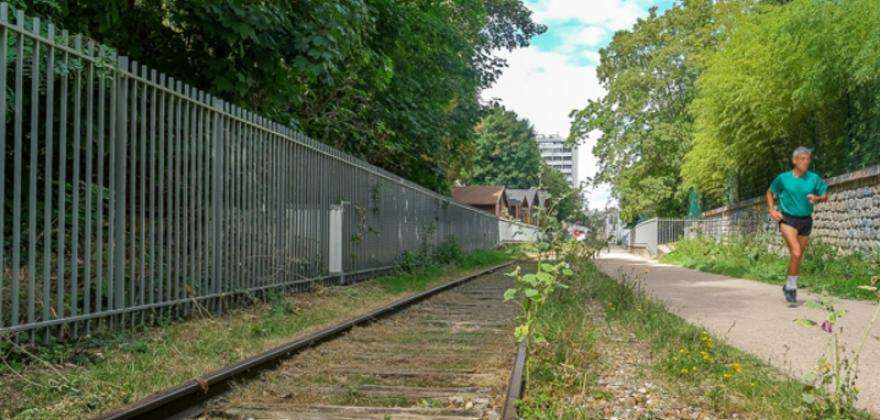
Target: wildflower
column 684, row 371
column 827, row 327
column 727, row 376
column 683, row 350
column 735, row 366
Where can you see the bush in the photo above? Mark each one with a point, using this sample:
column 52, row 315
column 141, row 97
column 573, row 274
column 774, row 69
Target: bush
column 763, row 257
column 447, row 252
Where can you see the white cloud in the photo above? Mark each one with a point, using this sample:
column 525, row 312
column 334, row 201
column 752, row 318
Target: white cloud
column 610, row 14
column 589, row 36
column 545, row 87
column 545, row 84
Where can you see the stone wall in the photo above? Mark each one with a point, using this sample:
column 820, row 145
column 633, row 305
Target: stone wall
column 849, row 220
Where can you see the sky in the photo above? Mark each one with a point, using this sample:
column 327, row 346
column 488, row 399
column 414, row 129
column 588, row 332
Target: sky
column 557, row 73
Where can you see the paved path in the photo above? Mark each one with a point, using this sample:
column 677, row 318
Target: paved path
column 754, row 317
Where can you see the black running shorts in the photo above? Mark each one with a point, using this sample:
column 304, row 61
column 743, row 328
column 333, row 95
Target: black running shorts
column 803, row 225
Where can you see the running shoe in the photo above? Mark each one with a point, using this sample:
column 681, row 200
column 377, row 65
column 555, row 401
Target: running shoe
column 790, row 294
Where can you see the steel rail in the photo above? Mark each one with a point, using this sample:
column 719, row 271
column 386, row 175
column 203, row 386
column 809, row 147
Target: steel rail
column 516, row 386
column 186, row 399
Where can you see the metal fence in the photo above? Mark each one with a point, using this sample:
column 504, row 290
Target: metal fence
column 652, row 233
column 129, row 195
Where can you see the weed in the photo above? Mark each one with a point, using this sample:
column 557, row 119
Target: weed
column 762, row 257
column 694, row 364
column 831, row 390
column 98, row 374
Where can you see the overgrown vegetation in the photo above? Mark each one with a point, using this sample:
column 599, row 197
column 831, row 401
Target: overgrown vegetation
column 396, row 83
column 682, row 358
column 714, row 95
column 759, row 257
column 803, row 73
column 832, row 391
column 100, row 373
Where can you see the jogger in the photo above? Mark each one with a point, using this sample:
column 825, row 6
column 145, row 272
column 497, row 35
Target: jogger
column 797, row 191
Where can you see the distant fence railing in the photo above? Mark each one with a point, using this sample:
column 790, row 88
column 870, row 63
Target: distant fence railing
column 660, row 231
column 127, row 194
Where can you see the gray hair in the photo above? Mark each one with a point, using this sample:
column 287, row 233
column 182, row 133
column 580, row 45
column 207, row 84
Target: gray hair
column 801, row 151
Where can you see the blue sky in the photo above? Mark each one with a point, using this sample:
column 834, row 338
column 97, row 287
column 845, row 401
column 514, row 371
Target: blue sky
column 557, row 73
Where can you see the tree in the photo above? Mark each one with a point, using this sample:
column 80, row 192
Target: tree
column 802, row 73
column 506, row 151
column 649, row 74
column 565, row 200
column 394, row 82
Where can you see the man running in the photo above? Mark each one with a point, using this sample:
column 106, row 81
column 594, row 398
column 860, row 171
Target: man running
column 798, row 190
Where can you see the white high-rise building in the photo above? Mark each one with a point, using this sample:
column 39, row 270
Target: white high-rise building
column 559, row 156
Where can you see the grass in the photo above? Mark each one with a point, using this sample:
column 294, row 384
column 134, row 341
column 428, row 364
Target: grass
column 95, row 376
column 696, row 367
column 824, row 270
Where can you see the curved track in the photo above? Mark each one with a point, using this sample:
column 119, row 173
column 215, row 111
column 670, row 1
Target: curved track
column 449, row 356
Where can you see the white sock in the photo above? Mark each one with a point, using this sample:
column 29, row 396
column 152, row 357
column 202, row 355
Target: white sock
column 791, row 284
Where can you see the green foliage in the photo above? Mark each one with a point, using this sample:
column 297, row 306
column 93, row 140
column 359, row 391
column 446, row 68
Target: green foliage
column 803, row 73
column 535, row 289
column 649, row 74
column 564, row 201
column 564, row 371
column 506, row 152
column 761, row 257
column 394, row 82
column 447, row 252
column 831, row 391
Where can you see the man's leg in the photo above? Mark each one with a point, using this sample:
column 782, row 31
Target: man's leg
column 795, row 252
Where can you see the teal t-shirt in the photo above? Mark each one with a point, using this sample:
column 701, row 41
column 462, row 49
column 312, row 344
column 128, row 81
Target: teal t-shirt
column 792, row 192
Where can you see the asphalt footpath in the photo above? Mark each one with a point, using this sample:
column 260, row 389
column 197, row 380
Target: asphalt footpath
column 755, row 317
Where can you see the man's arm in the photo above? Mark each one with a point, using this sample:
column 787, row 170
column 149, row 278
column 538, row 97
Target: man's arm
column 815, row 199
column 820, row 193
column 771, row 207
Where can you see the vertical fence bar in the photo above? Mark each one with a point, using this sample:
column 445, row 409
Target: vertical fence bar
column 132, row 147
column 111, row 187
column 76, row 184
column 161, row 195
column 62, row 184
column 204, row 112
column 32, row 188
column 4, row 42
column 47, row 178
column 89, row 181
column 177, row 269
column 154, row 216
column 183, row 145
column 169, row 189
column 142, row 203
column 119, row 189
column 17, row 172
column 216, row 196
column 101, row 229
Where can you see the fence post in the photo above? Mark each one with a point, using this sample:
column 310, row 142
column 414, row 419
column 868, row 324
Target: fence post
column 119, row 186
column 216, row 195
column 334, row 254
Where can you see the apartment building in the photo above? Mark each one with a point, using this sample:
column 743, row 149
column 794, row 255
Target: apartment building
column 559, row 156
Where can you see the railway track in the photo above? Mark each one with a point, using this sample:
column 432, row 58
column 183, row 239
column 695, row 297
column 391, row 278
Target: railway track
column 446, row 353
